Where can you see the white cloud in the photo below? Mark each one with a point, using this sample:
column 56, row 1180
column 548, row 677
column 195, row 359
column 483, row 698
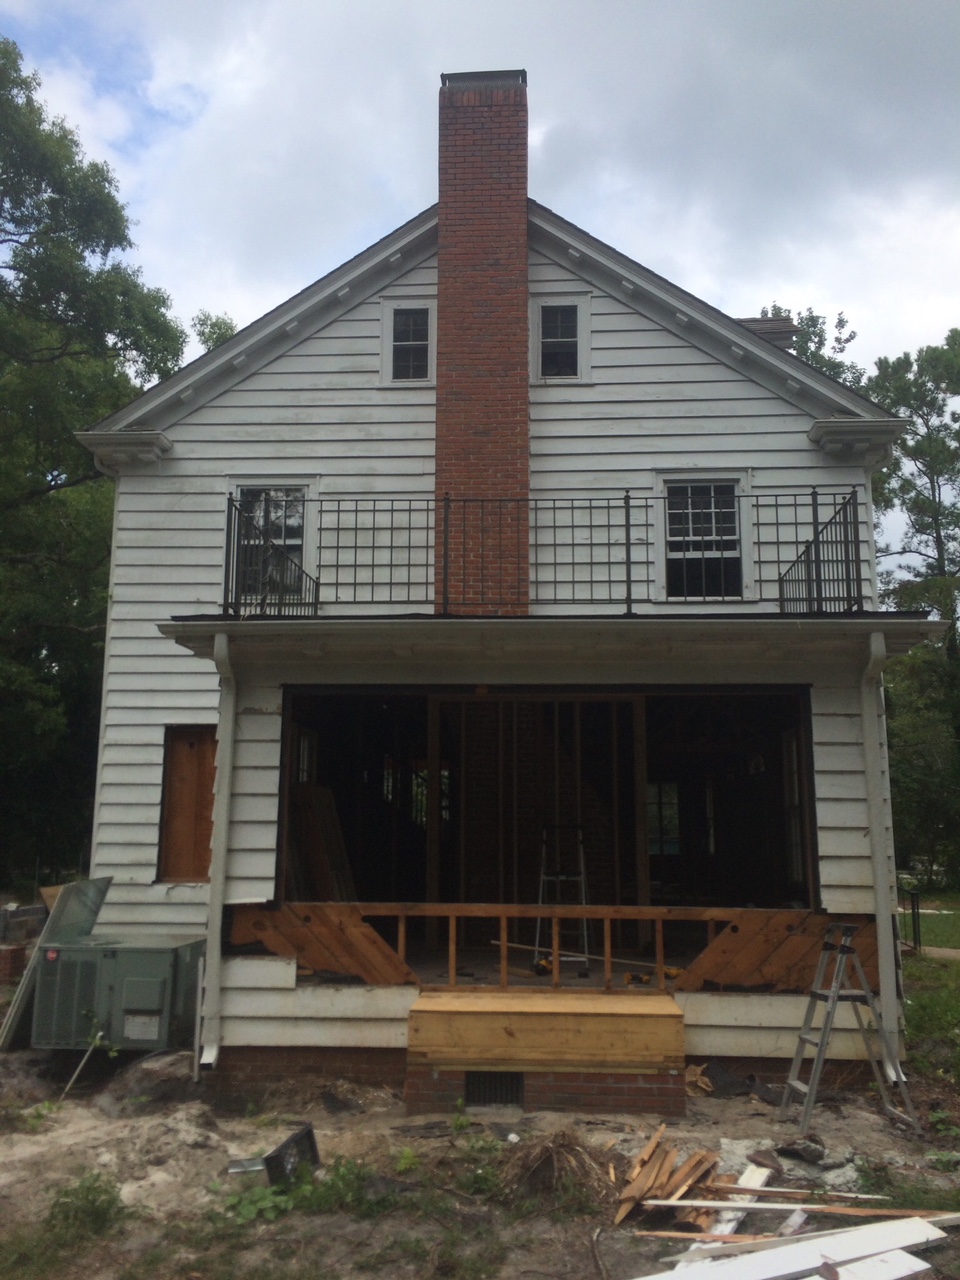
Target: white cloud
column 806, row 152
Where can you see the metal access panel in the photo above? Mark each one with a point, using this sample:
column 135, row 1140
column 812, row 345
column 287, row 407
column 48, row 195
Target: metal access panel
column 135, row 995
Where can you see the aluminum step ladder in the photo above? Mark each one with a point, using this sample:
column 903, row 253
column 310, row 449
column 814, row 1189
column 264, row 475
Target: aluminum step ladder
column 852, row 989
column 563, row 882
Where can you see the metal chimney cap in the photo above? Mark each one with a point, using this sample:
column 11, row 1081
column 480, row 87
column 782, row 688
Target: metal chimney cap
column 468, row 79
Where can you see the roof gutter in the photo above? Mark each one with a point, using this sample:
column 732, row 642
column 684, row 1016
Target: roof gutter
column 223, row 789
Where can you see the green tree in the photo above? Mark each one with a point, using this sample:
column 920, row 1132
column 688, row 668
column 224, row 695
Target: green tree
column 80, row 333
column 922, row 488
column 924, row 764
column 817, row 347
column 212, row 330
column 923, row 481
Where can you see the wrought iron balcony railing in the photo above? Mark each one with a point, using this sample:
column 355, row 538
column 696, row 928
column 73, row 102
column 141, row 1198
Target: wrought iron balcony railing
column 696, row 544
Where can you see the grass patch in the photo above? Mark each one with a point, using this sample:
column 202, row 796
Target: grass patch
column 79, row 1215
column 908, row 1193
column 932, row 1014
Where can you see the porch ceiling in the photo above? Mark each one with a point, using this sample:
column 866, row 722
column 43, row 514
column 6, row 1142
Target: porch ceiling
column 708, row 650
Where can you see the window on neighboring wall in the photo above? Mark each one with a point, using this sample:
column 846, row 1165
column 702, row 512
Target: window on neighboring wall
column 411, row 344
column 271, row 542
column 186, row 809
column 703, row 541
column 663, row 819
column 559, row 349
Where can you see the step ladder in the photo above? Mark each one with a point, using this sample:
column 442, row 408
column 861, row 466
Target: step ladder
column 881, row 1050
column 563, row 882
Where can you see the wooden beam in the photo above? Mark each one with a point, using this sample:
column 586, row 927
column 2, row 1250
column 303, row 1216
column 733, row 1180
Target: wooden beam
column 432, row 887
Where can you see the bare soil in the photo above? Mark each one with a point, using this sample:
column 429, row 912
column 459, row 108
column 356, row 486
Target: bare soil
column 167, row 1144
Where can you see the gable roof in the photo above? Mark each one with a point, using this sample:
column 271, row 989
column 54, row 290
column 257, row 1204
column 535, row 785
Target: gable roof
column 369, row 272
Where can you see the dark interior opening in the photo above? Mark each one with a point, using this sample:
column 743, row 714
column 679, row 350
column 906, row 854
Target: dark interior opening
column 675, row 797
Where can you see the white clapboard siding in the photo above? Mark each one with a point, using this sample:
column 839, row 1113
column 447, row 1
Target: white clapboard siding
column 254, row 1013
column 168, row 560
column 843, row 832
column 655, row 401
column 736, row 1024
column 252, row 838
column 152, row 907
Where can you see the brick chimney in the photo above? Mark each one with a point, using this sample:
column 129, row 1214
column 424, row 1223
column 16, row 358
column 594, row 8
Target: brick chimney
column 482, row 446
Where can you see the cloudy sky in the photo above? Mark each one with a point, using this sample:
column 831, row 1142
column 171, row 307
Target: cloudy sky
column 804, row 151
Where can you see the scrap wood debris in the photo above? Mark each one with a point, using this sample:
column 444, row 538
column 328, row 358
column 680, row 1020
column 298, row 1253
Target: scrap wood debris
column 698, row 1081
column 712, row 1205
column 658, row 1171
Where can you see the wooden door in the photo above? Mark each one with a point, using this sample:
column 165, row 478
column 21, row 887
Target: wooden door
column 186, row 816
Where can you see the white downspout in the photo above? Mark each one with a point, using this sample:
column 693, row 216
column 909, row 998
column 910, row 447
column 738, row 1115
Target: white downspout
column 871, row 711
column 223, row 791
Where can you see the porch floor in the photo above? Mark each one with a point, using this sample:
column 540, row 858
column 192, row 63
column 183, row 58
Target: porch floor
column 480, row 967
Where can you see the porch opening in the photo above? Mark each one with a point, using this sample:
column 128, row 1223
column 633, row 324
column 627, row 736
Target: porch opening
column 686, row 799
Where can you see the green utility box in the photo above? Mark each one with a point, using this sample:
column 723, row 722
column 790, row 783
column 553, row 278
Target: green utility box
column 136, row 993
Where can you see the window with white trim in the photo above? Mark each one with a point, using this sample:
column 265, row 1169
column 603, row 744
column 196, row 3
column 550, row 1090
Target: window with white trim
column 411, row 344
column 407, row 345
column 560, row 338
column 703, row 540
column 559, row 357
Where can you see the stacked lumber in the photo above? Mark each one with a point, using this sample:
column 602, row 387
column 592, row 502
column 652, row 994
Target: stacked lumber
column 658, row 1172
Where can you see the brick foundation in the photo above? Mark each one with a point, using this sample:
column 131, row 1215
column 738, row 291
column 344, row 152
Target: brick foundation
column 660, row 1093
column 248, row 1070
column 13, row 961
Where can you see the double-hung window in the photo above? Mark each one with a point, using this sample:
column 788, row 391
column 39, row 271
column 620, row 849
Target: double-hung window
column 271, row 543
column 560, row 337
column 559, row 351
column 411, row 344
column 703, row 541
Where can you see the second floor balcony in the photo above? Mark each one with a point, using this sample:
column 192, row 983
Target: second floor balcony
column 698, row 545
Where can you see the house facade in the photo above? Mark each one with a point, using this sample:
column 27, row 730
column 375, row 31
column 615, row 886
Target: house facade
column 493, row 664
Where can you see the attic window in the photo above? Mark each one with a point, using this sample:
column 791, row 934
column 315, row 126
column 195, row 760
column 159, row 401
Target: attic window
column 559, row 355
column 411, row 344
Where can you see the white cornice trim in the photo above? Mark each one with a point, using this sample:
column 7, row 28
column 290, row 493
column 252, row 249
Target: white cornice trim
column 867, row 441
column 113, row 450
column 273, row 334
column 696, row 321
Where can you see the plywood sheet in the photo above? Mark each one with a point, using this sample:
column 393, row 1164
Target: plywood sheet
column 774, row 951
column 559, row 1031
column 329, row 937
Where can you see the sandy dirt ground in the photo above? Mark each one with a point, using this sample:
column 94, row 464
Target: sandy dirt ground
column 167, row 1143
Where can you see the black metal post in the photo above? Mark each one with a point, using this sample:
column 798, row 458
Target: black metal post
column 446, row 554
column 915, row 917
column 815, row 546
column 628, row 554
column 229, row 560
column 856, row 595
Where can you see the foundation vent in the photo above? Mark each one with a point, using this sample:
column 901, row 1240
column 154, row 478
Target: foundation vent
column 493, row 1088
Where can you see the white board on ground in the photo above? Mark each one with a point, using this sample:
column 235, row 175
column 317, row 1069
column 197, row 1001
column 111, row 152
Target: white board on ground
column 728, row 1219
column 771, row 1242
column 895, row 1265
column 804, row 1257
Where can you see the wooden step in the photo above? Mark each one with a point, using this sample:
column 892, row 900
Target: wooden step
column 546, row 1031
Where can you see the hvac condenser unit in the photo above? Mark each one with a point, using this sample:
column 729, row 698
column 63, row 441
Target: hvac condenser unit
column 133, row 993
